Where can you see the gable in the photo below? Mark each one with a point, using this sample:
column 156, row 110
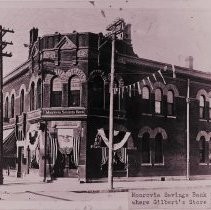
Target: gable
column 65, row 43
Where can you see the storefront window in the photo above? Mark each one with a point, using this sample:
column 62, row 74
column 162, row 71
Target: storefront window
column 158, row 149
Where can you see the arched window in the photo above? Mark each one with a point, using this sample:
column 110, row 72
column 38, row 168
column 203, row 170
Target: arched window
column 202, row 149
column 116, row 96
column 6, row 114
column 170, row 103
column 145, row 148
column 22, row 99
column 145, row 99
column 96, row 87
column 39, row 94
column 202, row 107
column 158, row 101
column 74, row 91
column 158, row 149
column 12, row 106
column 56, row 92
column 32, row 97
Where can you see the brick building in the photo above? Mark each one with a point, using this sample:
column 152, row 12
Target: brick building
column 56, row 105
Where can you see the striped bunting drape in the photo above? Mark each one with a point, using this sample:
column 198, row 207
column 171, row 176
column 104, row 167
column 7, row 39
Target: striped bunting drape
column 123, row 155
column 76, row 150
column 104, row 155
column 52, row 148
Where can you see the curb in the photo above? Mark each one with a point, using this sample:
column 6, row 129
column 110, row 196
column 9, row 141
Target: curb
column 102, row 191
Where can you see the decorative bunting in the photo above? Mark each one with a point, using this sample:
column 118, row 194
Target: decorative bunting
column 159, row 71
column 174, row 72
column 134, row 88
column 129, row 90
column 139, row 88
column 150, row 83
column 154, row 77
column 122, row 92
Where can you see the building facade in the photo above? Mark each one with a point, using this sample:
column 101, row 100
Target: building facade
column 56, row 111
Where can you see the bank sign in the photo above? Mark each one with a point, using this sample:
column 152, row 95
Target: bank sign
column 63, row 112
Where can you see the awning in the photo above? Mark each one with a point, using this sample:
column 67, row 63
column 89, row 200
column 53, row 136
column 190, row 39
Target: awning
column 7, row 133
column 9, row 143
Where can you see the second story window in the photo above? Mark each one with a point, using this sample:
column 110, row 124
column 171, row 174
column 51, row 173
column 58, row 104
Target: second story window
column 96, row 87
column 13, row 106
column 32, row 97
column 202, row 107
column 145, row 99
column 22, row 100
column 158, row 101
column 39, row 94
column 74, row 91
column 116, row 96
column 56, row 92
column 170, row 103
column 6, row 114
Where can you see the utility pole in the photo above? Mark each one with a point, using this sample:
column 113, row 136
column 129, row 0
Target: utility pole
column 3, row 44
column 114, row 29
column 111, row 117
column 188, row 129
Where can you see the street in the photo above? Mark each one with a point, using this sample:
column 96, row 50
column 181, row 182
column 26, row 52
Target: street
column 30, row 192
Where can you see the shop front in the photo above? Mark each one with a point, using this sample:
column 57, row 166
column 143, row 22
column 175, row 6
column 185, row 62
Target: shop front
column 122, row 143
column 52, row 148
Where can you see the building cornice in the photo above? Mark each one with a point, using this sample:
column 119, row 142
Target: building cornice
column 17, row 71
column 183, row 71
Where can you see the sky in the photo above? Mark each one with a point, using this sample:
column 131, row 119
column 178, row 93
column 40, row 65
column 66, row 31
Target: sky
column 163, row 30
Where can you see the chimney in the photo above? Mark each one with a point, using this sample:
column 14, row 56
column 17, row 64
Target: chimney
column 33, row 35
column 127, row 33
column 189, row 62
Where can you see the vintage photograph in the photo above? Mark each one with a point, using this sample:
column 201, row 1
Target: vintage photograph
column 105, row 105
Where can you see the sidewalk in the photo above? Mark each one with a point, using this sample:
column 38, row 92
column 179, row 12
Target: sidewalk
column 33, row 181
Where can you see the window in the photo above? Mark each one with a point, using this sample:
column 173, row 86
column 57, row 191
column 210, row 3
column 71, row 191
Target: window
column 74, row 91
column 22, row 102
column 96, row 87
column 56, row 92
column 145, row 148
column 202, row 147
column 158, row 149
column 158, row 101
column 202, row 107
column 116, row 96
column 6, row 108
column 145, row 99
column 209, row 108
column 170, row 103
column 32, row 97
column 13, row 106
column 39, row 94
